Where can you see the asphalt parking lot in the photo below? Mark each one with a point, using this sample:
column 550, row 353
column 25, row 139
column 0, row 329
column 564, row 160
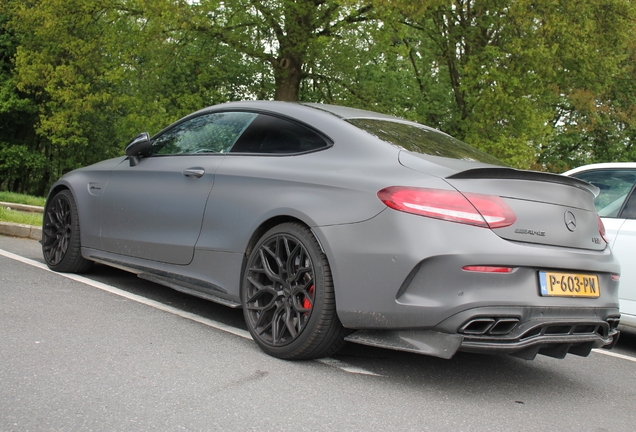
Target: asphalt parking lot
column 109, row 351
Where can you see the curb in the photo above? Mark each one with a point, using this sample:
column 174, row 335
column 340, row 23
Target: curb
column 22, row 207
column 21, row 230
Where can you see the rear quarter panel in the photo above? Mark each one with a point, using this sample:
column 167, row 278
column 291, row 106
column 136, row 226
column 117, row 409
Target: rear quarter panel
column 334, row 186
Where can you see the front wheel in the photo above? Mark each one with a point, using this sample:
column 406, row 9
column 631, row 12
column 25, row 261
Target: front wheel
column 288, row 296
column 61, row 235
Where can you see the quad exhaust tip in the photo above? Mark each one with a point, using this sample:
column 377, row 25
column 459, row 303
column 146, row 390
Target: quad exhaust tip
column 489, row 326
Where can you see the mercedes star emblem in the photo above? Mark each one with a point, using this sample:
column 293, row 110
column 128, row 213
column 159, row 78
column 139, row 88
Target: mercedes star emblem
column 570, row 220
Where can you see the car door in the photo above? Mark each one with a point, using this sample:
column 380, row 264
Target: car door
column 624, row 247
column 616, row 204
column 265, row 165
column 154, row 210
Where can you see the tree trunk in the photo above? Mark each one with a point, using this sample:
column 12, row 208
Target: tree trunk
column 287, row 76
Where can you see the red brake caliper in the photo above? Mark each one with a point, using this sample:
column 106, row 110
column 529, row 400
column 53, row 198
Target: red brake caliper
column 306, row 302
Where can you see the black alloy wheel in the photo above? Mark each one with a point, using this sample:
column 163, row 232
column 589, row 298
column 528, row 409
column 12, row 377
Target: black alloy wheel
column 61, row 235
column 288, row 296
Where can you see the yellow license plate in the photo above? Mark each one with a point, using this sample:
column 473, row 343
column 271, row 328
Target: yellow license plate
column 569, row 285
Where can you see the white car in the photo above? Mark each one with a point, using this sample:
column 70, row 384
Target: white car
column 616, row 204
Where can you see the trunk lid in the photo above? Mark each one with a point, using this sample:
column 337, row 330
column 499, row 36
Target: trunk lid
column 550, row 209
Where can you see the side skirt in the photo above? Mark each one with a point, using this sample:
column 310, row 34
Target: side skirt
column 187, row 285
column 170, row 283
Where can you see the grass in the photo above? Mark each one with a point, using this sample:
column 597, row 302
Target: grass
column 12, row 197
column 26, row 218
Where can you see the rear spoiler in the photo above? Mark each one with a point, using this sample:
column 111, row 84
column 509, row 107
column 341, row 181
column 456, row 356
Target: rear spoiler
column 513, row 174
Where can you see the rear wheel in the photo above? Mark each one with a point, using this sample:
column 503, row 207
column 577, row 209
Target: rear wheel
column 288, row 296
column 61, row 235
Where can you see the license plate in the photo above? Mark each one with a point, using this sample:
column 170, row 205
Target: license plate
column 569, row 285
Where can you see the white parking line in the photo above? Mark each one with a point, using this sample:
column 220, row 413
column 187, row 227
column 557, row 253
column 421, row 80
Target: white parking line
column 613, row 354
column 133, row 297
column 187, row 315
column 345, row 366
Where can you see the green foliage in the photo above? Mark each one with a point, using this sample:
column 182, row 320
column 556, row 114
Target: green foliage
column 543, row 84
column 102, row 71
column 522, row 72
column 593, row 100
column 284, row 37
column 20, row 151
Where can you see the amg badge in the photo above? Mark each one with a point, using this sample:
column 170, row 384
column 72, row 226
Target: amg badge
column 530, row 232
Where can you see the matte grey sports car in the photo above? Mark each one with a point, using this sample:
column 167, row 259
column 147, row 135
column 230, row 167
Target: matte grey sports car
column 329, row 224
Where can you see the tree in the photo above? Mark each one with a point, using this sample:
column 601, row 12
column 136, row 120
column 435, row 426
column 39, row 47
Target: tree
column 103, row 71
column 538, row 83
column 282, row 34
column 20, row 150
column 62, row 63
column 594, row 96
column 515, row 67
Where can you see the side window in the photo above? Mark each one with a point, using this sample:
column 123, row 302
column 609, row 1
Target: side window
column 629, row 212
column 615, row 186
column 208, row 133
column 273, row 135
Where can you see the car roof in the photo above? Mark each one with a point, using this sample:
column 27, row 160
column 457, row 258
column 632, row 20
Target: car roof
column 291, row 109
column 605, row 165
column 348, row 113
column 341, row 112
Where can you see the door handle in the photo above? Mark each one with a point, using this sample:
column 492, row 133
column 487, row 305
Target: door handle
column 194, row 172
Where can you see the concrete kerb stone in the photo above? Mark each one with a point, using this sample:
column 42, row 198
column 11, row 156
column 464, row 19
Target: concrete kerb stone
column 20, row 230
column 22, row 207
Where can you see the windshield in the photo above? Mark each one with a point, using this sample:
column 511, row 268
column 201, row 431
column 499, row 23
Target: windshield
column 420, row 139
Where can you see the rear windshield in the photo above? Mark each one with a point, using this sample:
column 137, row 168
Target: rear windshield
column 420, row 139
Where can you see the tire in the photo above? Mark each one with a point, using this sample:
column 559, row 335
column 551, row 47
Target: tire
column 288, row 296
column 61, row 235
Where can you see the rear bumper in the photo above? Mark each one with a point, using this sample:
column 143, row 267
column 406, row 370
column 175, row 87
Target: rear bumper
column 399, row 280
column 554, row 336
column 400, row 271
column 550, row 345
column 524, row 333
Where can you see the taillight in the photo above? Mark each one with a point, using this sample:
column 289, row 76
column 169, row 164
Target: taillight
column 487, row 269
column 472, row 209
column 601, row 228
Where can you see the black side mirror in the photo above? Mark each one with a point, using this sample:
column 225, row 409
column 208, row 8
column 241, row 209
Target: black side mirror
column 138, row 147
